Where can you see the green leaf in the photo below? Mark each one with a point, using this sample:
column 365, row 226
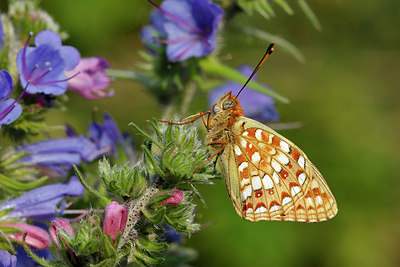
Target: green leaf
column 310, row 14
column 145, row 243
column 87, row 187
column 145, row 135
column 285, row 6
column 146, row 256
column 15, row 185
column 213, row 66
column 157, row 217
column 4, row 212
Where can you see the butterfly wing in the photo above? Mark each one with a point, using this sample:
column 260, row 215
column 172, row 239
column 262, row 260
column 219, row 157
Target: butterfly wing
column 270, row 178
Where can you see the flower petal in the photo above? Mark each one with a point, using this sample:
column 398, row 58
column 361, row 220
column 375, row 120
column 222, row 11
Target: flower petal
column 6, row 84
column 12, row 115
column 71, row 56
column 6, row 259
column 48, row 37
column 42, row 202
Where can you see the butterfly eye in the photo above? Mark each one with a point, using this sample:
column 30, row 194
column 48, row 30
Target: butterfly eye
column 228, row 104
column 214, row 109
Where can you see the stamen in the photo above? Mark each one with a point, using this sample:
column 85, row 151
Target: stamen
column 33, row 69
column 36, row 79
column 59, row 81
column 24, row 55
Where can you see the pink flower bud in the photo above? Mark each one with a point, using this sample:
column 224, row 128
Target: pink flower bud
column 175, row 198
column 60, row 224
column 92, row 79
column 115, row 219
column 36, row 238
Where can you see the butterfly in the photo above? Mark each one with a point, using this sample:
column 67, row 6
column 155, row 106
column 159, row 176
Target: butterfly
column 267, row 176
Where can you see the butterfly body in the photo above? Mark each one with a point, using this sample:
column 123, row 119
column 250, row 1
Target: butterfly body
column 266, row 175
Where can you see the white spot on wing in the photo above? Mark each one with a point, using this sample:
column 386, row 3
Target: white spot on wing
column 283, row 159
column 245, row 133
column 255, row 158
column 261, row 209
column 295, row 190
column 249, row 211
column 318, row 199
column 267, row 182
column 243, row 166
column 237, row 150
column 246, row 193
column 309, row 201
column 248, row 190
column 256, row 182
column 302, row 178
column 258, row 134
column 275, row 177
column 285, row 146
column 244, row 182
column 274, row 208
column 286, row 200
column 277, row 167
column 301, row 162
column 243, row 143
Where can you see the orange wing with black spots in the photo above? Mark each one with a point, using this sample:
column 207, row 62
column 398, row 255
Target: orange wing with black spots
column 275, row 179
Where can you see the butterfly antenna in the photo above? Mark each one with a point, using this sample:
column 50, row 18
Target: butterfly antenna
column 269, row 51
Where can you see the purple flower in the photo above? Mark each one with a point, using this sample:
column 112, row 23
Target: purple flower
column 255, row 105
column 92, row 80
column 170, row 235
column 189, row 26
column 6, row 259
column 60, row 154
column 10, row 110
column 43, row 66
column 115, row 219
column 108, row 137
column 42, row 202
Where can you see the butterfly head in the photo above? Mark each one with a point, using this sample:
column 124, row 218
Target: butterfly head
column 227, row 102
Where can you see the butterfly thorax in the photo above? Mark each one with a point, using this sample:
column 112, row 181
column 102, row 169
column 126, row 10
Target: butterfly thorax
column 227, row 111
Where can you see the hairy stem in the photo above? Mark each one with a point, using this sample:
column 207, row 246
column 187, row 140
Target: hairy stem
column 134, row 208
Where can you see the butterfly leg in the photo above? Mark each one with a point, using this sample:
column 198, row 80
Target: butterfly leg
column 213, row 155
column 197, row 116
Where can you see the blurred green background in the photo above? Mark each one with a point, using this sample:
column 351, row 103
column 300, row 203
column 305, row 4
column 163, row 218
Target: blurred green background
column 346, row 95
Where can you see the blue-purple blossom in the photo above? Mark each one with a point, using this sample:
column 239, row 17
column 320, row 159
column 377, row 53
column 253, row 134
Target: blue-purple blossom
column 42, row 202
column 170, row 235
column 43, row 66
column 60, row 154
column 7, row 260
column 190, row 27
column 255, row 105
column 107, row 135
column 10, row 110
